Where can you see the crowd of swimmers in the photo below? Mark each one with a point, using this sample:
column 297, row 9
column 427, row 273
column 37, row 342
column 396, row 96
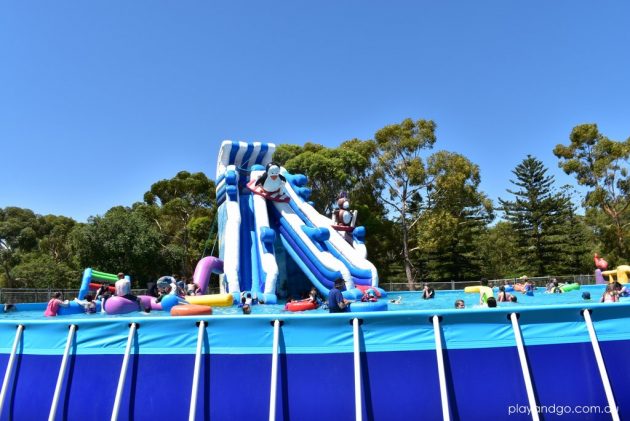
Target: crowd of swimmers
column 335, row 302
column 122, row 288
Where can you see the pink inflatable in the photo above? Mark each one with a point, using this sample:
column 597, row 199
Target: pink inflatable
column 600, row 263
column 149, row 302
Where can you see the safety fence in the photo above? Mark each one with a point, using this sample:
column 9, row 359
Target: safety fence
column 540, row 281
column 40, row 295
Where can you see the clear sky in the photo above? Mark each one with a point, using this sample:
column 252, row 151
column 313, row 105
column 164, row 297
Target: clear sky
column 100, row 99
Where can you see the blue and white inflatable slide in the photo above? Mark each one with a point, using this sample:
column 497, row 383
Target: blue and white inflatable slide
column 249, row 225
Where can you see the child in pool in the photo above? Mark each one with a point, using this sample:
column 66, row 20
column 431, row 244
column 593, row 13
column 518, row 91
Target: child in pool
column 369, row 296
column 610, row 295
column 88, row 304
column 504, row 296
column 54, row 304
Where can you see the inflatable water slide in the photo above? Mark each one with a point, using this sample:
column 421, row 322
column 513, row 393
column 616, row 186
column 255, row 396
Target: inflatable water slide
column 251, row 218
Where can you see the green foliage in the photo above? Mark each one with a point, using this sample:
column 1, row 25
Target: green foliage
column 425, row 217
column 399, row 175
column 37, row 270
column 455, row 216
column 602, row 165
column 346, row 169
column 28, row 240
column 181, row 210
column 330, row 170
column 498, row 251
column 122, row 240
column 538, row 215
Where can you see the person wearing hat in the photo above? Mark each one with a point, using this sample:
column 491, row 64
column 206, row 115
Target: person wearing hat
column 336, row 302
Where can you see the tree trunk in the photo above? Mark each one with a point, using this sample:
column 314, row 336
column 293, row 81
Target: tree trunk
column 619, row 232
column 8, row 275
column 406, row 259
column 618, row 228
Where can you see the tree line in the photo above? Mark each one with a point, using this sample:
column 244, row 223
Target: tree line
column 424, row 212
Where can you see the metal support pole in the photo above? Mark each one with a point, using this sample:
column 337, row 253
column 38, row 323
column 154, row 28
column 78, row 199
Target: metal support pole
column 9, row 370
column 62, row 374
column 529, row 387
column 441, row 372
column 601, row 366
column 123, row 372
column 273, row 388
column 197, row 369
column 358, row 405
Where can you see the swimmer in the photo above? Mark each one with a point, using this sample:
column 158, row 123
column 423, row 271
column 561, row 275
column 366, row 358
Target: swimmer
column 396, row 301
column 460, row 304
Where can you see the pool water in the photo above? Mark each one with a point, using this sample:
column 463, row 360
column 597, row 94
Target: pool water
column 409, row 301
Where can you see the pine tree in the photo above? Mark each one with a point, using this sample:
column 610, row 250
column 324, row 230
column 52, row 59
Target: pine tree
column 538, row 215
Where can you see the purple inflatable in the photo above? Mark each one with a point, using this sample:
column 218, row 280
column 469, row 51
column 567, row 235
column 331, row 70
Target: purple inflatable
column 120, row 305
column 149, row 301
column 206, row 267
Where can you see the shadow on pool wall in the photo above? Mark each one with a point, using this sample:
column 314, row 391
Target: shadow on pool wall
column 399, row 377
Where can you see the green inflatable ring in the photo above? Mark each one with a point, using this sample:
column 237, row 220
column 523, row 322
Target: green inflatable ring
column 570, row 287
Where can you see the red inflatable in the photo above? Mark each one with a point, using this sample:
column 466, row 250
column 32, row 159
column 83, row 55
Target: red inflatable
column 300, row 306
column 94, row 286
column 276, row 196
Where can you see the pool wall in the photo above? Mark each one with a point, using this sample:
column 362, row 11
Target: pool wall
column 399, row 369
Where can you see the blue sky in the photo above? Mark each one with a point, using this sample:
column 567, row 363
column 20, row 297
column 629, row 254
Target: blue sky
column 100, row 99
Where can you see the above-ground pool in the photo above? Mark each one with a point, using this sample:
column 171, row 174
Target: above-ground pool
column 312, row 365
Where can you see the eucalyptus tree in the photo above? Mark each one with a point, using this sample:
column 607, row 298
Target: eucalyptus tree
column 499, row 255
column 346, row 169
column 401, row 178
column 18, row 235
column 34, row 249
column 182, row 209
column 122, row 240
column 601, row 164
column 537, row 214
column 330, row 171
column 456, row 216
column 579, row 240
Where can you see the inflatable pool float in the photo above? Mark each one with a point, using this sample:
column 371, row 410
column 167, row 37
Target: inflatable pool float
column 191, row 310
column 94, row 286
column 570, row 287
column 362, row 306
column 214, row 300
column 149, row 302
column 474, row 288
column 120, row 305
column 75, row 308
column 300, row 306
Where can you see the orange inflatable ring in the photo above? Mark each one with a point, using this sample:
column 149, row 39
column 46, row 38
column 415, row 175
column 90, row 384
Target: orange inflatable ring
column 191, row 310
column 300, row 306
